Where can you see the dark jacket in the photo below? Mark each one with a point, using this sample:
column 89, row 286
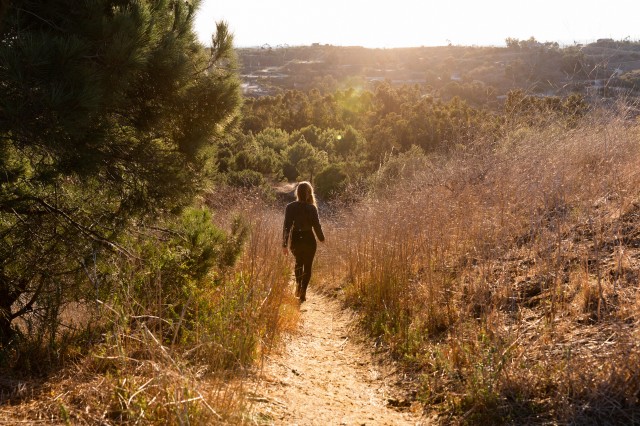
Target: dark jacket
column 301, row 218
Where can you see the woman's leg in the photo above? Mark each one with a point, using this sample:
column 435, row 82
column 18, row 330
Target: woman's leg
column 298, row 269
column 307, row 263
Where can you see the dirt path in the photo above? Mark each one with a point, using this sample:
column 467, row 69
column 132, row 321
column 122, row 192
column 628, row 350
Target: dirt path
column 327, row 376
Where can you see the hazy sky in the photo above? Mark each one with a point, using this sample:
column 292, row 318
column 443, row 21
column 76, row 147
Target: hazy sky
column 397, row 23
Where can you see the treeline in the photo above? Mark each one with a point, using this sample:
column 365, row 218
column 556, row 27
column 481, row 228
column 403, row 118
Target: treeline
column 476, row 74
column 342, row 137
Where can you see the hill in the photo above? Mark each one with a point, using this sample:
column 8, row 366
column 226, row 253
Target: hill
column 476, row 74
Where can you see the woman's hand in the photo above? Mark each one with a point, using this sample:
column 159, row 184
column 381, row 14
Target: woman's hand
column 285, row 251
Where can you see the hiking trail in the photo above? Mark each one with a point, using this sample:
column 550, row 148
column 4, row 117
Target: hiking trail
column 326, row 375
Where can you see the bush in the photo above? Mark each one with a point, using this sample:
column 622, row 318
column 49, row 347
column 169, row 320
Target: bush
column 246, row 179
column 400, row 168
column 331, row 181
column 180, row 266
column 290, row 171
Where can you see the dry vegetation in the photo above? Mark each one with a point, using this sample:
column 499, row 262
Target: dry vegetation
column 506, row 275
column 144, row 369
column 501, row 267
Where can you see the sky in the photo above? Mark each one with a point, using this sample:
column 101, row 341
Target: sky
column 405, row 23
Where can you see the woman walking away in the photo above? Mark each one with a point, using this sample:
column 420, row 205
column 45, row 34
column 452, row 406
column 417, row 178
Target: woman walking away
column 300, row 220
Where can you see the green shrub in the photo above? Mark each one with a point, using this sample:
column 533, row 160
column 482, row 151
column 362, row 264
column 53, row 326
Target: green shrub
column 179, row 271
column 246, row 179
column 331, row 181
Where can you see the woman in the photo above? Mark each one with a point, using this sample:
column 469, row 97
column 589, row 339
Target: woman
column 300, row 220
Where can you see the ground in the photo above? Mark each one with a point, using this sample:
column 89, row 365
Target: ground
column 327, row 374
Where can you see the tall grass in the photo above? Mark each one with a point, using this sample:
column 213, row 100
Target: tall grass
column 177, row 341
column 506, row 273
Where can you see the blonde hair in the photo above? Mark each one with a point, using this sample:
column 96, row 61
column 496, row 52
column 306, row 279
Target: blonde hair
column 304, row 193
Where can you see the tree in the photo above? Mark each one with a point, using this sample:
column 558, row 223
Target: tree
column 348, row 143
column 512, row 43
column 107, row 111
column 331, row 180
column 305, row 158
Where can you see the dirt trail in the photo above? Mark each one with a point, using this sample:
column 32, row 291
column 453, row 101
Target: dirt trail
column 327, row 376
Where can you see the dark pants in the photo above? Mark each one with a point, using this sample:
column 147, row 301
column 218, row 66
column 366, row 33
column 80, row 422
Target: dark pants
column 303, row 247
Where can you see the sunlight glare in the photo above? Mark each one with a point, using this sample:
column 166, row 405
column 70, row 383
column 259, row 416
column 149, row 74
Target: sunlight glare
column 405, row 23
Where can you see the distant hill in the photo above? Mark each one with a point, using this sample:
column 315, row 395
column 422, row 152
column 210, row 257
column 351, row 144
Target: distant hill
column 480, row 75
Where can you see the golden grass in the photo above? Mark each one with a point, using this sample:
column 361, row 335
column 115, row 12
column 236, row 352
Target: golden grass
column 506, row 274
column 139, row 373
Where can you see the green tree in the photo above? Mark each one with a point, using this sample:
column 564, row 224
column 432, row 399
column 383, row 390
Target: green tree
column 331, row 181
column 305, row 159
column 348, row 143
column 275, row 139
column 298, row 109
column 108, row 109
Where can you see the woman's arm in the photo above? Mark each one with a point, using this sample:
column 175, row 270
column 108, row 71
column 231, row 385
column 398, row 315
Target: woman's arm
column 288, row 223
column 315, row 222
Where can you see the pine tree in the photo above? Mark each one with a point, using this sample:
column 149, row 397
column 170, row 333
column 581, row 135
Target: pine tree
column 108, row 109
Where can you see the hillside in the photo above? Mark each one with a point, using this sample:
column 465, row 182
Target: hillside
column 478, row 74
column 481, row 207
column 506, row 276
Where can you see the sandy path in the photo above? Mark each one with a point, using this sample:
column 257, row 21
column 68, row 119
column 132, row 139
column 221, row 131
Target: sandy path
column 327, row 376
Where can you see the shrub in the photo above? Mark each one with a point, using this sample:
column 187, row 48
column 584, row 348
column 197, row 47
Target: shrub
column 331, row 181
column 246, row 179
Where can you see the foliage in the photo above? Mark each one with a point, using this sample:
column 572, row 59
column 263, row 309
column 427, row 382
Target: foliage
column 359, row 128
column 530, row 43
column 331, row 181
column 305, row 159
column 536, row 110
column 184, row 318
column 631, row 80
column 107, row 110
column 246, row 178
column 179, row 269
column 498, row 270
column 348, row 145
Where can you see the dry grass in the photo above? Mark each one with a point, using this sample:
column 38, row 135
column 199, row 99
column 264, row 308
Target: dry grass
column 140, row 373
column 507, row 274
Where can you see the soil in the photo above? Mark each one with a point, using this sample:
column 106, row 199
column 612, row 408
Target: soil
column 328, row 375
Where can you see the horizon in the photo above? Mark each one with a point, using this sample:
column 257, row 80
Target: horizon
column 411, row 24
column 503, row 44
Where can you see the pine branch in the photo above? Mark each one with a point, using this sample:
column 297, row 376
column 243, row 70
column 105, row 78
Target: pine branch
column 221, row 47
column 83, row 229
column 29, row 305
column 51, row 24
